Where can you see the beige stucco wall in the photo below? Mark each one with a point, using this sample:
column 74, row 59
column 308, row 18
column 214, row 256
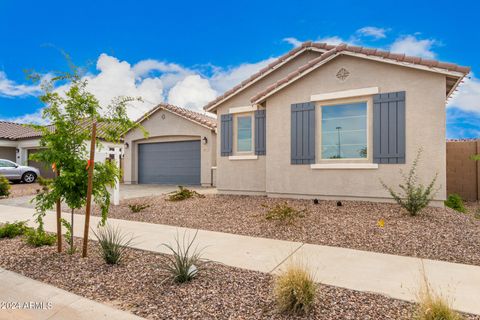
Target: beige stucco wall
column 248, row 176
column 165, row 126
column 425, row 127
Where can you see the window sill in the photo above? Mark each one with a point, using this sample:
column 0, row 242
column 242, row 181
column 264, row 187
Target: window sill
column 323, row 166
column 250, row 157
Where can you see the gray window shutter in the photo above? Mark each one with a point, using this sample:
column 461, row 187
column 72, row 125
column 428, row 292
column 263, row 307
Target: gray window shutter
column 389, row 127
column 260, row 132
column 303, row 133
column 226, row 132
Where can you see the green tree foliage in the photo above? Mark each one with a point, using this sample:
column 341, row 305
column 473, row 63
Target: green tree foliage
column 65, row 145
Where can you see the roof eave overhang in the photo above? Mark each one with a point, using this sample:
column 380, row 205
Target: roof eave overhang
column 266, row 73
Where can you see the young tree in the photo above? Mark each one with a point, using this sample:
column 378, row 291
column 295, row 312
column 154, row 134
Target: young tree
column 64, row 145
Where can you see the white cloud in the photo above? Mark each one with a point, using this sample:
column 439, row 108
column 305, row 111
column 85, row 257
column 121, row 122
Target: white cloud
column 10, row 89
column 293, row 41
column 377, row 33
column 225, row 79
column 34, row 118
column 333, row 40
column 412, row 46
column 193, row 92
column 468, row 96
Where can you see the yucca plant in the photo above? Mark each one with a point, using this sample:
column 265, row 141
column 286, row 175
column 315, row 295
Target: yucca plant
column 185, row 262
column 113, row 243
column 295, row 289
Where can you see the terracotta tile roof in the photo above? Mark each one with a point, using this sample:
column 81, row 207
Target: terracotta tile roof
column 15, row 131
column 342, row 48
column 309, row 45
column 194, row 116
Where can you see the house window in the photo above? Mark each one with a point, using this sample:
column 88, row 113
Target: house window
column 244, row 133
column 344, row 131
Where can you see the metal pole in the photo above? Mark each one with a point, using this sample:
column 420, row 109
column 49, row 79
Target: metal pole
column 339, row 147
column 89, row 189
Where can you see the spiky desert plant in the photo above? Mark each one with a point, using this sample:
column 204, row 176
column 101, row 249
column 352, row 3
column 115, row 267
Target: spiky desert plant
column 185, row 261
column 113, row 243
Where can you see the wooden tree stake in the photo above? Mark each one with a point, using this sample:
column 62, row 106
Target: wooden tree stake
column 89, row 189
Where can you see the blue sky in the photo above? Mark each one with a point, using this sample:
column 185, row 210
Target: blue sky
column 186, row 53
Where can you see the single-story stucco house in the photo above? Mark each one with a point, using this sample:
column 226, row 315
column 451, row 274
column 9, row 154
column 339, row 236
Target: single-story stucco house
column 18, row 142
column 331, row 121
column 180, row 148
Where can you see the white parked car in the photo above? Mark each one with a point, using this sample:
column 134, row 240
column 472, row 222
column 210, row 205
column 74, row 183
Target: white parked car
column 15, row 172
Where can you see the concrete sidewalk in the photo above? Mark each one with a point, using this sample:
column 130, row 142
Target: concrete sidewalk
column 395, row 276
column 25, row 298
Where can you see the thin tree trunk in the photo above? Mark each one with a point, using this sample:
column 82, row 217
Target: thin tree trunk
column 89, row 189
column 71, row 233
column 59, row 222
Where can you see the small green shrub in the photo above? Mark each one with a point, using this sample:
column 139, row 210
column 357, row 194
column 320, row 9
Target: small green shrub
column 414, row 196
column 12, row 230
column 183, row 193
column 113, row 243
column 295, row 289
column 38, row 238
column 135, row 208
column 432, row 306
column 4, row 187
column 284, row 213
column 455, row 202
column 184, row 263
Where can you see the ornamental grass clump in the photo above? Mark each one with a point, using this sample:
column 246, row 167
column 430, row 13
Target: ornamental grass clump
column 183, row 193
column 295, row 289
column 432, row 306
column 185, row 262
column 414, row 196
column 455, row 202
column 4, row 187
column 284, row 213
column 12, row 230
column 113, row 243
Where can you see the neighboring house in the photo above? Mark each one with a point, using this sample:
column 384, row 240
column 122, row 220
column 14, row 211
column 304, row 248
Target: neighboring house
column 180, row 148
column 330, row 122
column 18, row 142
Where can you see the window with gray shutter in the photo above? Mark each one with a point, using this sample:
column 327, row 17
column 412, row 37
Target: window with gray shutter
column 260, row 132
column 226, row 135
column 303, row 133
column 389, row 127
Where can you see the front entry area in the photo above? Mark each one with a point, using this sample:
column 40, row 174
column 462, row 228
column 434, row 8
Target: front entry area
column 175, row 163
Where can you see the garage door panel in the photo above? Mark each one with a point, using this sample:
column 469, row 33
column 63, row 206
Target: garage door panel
column 169, row 163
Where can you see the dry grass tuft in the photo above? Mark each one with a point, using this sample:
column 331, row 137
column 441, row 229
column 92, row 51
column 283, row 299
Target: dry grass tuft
column 294, row 289
column 433, row 306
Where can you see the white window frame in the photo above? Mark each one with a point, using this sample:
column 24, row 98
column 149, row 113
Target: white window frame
column 318, row 146
column 235, row 135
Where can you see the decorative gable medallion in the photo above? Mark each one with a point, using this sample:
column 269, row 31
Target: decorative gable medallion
column 342, row 74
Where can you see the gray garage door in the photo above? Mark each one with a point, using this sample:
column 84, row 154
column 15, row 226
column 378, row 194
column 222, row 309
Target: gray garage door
column 45, row 168
column 8, row 153
column 169, row 163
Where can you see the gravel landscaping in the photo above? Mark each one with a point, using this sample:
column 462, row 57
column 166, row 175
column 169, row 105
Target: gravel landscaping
column 441, row 234
column 220, row 293
column 23, row 189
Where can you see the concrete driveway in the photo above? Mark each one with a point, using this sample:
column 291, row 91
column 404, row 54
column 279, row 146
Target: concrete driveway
column 129, row 191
